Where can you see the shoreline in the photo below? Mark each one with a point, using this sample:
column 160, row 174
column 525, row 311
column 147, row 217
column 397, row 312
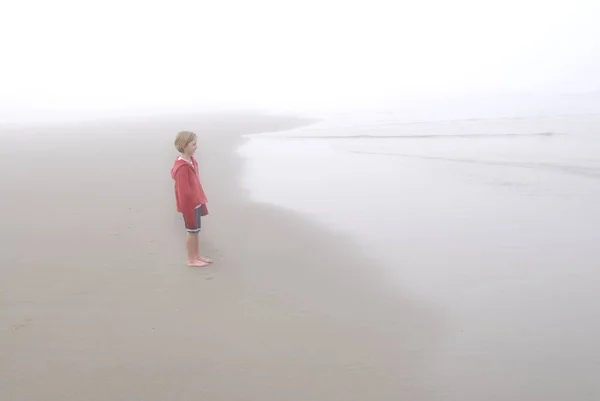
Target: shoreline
column 497, row 234
column 108, row 310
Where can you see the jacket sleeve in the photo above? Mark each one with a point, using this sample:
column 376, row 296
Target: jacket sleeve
column 184, row 193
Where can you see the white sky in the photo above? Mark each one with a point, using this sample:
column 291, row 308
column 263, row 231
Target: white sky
column 76, row 57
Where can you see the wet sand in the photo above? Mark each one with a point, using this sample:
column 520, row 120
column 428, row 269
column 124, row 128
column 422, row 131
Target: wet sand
column 96, row 302
column 489, row 220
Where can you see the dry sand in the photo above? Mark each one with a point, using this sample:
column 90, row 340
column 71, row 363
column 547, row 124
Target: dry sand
column 96, row 302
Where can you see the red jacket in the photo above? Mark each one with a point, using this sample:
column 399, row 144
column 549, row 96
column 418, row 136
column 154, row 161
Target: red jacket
column 188, row 190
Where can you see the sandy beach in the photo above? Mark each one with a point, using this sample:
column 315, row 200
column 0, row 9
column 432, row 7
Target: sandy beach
column 442, row 261
column 96, row 302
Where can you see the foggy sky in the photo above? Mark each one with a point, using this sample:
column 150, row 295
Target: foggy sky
column 69, row 58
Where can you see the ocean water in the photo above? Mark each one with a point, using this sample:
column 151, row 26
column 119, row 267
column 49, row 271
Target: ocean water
column 492, row 214
column 405, row 173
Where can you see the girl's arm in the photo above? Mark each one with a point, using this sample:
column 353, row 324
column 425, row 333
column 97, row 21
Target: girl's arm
column 184, row 193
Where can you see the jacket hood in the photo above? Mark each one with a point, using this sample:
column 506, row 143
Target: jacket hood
column 179, row 163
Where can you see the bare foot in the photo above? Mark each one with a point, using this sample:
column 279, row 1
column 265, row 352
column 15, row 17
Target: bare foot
column 197, row 263
column 203, row 259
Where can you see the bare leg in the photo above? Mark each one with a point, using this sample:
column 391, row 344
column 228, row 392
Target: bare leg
column 197, row 248
column 192, row 251
column 201, row 258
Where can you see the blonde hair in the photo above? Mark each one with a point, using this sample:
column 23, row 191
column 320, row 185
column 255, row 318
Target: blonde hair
column 183, row 139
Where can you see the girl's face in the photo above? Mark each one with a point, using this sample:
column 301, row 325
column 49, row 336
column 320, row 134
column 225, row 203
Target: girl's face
column 190, row 149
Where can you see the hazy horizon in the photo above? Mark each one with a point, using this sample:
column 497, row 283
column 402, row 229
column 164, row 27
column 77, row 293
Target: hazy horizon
column 72, row 60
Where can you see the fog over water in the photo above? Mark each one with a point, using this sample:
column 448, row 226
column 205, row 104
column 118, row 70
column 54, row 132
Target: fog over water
column 68, row 60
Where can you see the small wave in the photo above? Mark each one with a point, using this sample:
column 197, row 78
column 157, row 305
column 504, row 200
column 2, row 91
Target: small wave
column 589, row 172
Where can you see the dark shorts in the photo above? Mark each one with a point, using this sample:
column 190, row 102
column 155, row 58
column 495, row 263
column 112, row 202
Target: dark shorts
column 193, row 226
